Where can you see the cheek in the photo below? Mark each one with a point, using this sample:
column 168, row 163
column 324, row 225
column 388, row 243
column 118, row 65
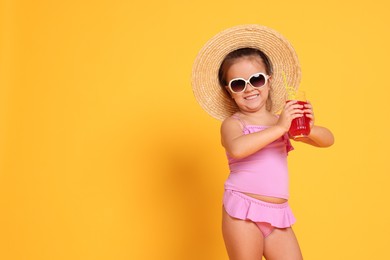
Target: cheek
column 266, row 89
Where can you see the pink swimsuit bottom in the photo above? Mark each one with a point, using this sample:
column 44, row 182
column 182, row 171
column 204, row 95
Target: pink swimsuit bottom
column 267, row 216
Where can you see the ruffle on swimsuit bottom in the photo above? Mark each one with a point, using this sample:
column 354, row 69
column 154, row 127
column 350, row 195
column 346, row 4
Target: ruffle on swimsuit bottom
column 241, row 206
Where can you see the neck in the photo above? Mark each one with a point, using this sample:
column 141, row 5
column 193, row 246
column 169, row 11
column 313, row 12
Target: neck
column 256, row 114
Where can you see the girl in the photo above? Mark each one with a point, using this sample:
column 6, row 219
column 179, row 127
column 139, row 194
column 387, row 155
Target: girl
column 256, row 217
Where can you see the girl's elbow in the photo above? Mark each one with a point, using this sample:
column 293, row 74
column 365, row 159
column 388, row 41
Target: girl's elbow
column 329, row 142
column 236, row 153
column 331, row 139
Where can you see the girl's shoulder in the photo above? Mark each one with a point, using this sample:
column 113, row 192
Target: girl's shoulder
column 231, row 120
column 232, row 123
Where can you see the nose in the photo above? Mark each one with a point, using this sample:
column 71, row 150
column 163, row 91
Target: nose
column 250, row 85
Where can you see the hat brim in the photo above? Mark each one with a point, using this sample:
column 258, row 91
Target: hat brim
column 205, row 84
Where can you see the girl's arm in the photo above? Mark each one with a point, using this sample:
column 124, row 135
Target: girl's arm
column 319, row 136
column 238, row 145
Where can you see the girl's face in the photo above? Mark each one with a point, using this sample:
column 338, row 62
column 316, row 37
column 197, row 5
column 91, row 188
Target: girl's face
column 252, row 99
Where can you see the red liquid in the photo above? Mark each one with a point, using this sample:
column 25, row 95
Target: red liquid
column 300, row 126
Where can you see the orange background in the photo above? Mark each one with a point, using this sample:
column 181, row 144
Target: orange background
column 105, row 154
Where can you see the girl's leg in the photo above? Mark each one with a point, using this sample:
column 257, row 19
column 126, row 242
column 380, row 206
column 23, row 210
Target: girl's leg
column 282, row 244
column 243, row 239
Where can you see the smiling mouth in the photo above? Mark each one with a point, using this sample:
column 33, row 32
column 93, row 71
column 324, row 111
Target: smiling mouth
column 251, row 97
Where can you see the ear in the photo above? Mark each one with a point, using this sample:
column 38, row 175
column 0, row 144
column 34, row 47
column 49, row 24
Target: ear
column 270, row 79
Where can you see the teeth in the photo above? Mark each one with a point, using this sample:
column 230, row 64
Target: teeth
column 252, row 97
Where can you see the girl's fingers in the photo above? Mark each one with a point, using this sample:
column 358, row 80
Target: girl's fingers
column 298, row 110
column 296, row 116
column 309, row 116
column 289, row 103
column 309, row 106
column 293, row 106
column 293, row 103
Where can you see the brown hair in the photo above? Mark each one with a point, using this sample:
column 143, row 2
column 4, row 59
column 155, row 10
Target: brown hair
column 239, row 53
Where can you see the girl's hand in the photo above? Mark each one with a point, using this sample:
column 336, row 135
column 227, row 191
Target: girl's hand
column 308, row 109
column 291, row 111
column 319, row 136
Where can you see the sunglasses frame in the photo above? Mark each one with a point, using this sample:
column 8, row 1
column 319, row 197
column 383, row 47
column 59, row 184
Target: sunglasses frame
column 266, row 77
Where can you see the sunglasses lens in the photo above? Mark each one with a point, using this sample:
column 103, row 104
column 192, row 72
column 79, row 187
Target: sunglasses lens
column 237, row 85
column 257, row 80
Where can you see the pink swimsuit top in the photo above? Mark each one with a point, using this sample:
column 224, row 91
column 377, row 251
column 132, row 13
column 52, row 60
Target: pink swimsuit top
column 264, row 172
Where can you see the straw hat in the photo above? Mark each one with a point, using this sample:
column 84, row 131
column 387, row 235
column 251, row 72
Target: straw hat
column 207, row 90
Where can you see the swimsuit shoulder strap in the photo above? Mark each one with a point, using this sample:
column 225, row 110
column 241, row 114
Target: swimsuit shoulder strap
column 242, row 121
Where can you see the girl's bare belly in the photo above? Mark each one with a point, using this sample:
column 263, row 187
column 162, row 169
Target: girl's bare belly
column 266, row 199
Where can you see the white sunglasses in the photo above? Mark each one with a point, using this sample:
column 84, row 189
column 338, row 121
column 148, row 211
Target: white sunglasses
column 257, row 80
